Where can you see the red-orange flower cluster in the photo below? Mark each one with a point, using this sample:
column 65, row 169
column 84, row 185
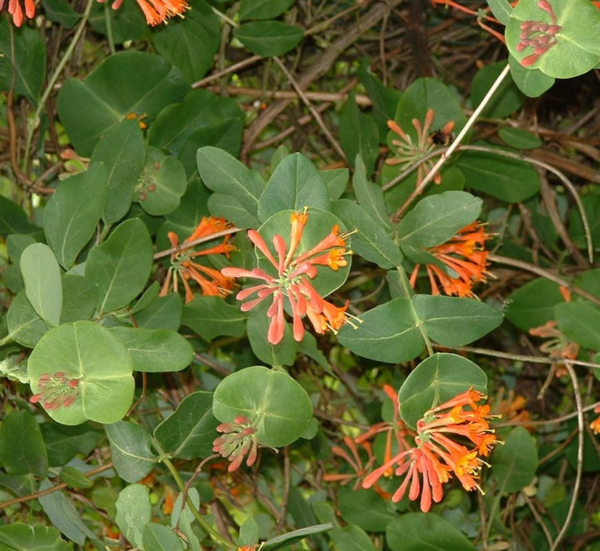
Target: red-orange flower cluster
column 293, row 281
column 157, row 11
column 16, row 10
column 210, row 280
column 437, row 455
column 465, row 259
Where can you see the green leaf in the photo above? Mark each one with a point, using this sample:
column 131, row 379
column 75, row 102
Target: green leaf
column 269, row 38
column 580, row 322
column 519, row 138
column 22, row 449
column 506, row 99
column 79, row 298
column 437, row 218
column 121, row 149
column 191, row 42
column 88, row 353
column 121, row 265
column 59, row 11
column 63, row 515
column 263, row 9
column 126, row 23
column 452, row 321
column 130, row 450
column 501, row 10
column 134, row 511
column 230, row 179
column 532, row 82
column 24, row 537
column 510, row 180
column 370, row 196
column 127, row 82
column 435, row 381
column 212, row 317
column 294, row 185
column 75, row 479
column 533, row 304
column 63, row 442
column 72, row 213
column 12, row 217
column 162, row 313
column 384, row 99
column 515, row 463
column 25, row 57
column 249, row 533
column 24, row 325
column 366, row 509
column 155, row 350
column 372, row 241
column 43, row 285
column 190, row 124
column 388, row 333
column 189, row 432
column 425, row 532
column 359, row 136
column 336, row 180
column 351, row 538
column 278, row 405
column 163, row 182
column 286, row 540
column 156, row 537
column 573, row 50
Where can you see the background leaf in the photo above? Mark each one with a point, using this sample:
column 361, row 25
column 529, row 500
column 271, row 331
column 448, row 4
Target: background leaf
column 121, row 265
column 516, row 462
column 268, row 38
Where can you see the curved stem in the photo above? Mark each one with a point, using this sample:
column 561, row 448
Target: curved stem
column 164, row 458
column 580, row 434
column 59, row 69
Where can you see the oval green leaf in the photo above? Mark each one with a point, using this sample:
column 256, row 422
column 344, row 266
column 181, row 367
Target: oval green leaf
column 435, row 381
column 88, row 353
column 515, row 463
column 278, row 406
column 269, row 38
column 43, row 285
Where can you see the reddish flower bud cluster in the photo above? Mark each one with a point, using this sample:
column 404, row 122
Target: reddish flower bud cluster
column 538, row 35
column 466, row 261
column 56, row 391
column 438, row 455
column 293, row 281
column 239, row 439
column 210, row 280
column 408, row 152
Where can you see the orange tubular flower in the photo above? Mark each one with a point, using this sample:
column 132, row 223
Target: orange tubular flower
column 437, row 455
column 16, row 10
column 210, row 280
column 466, row 262
column 293, row 281
column 157, row 11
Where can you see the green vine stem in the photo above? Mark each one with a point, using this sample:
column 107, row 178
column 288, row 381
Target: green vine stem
column 166, row 460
